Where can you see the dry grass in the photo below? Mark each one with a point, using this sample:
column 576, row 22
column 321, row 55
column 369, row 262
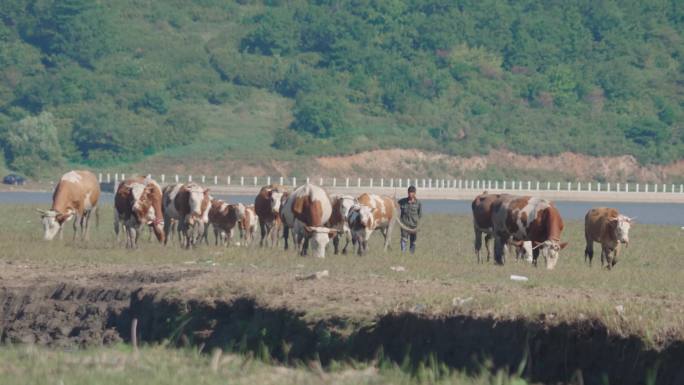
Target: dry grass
column 442, row 278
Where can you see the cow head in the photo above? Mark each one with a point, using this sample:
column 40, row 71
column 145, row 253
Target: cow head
column 275, row 197
column 346, row 204
column 52, row 222
column 622, row 226
column 550, row 249
column 319, row 238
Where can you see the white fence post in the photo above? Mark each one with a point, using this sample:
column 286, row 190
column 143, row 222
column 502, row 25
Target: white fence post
column 294, row 181
column 242, row 181
column 334, row 182
column 589, row 186
column 496, row 184
column 537, row 185
column 579, row 186
column 608, row 186
column 569, row 186
column 504, row 184
column 268, row 181
column 99, row 178
column 626, row 187
column 346, row 183
column 557, row 186
column 400, row 182
column 109, row 178
column 307, row 180
column 358, row 182
column 203, row 179
column 382, row 182
column 655, row 187
column 189, row 178
column 672, row 188
column 430, row 183
column 460, row 183
column 281, row 180
column 321, row 181
column 163, row 178
column 370, row 183
column 548, row 186
column 123, row 177
column 681, row 186
column 177, row 179
column 617, row 187
column 228, row 180
column 598, row 186
column 637, row 187
column 215, row 179
column 645, row 187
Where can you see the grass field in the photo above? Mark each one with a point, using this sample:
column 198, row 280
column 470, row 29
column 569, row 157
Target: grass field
column 643, row 296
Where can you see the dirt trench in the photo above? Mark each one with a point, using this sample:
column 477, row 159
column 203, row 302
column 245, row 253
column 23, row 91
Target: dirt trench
column 101, row 312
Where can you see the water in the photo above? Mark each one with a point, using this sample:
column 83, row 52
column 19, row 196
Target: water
column 651, row 213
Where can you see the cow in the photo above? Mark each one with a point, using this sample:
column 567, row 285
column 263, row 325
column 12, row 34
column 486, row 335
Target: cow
column 75, row 196
column 248, row 225
column 138, row 201
column 188, row 206
column 482, row 221
column 341, row 205
column 373, row 212
column 224, row 217
column 526, row 218
column 308, row 209
column 267, row 206
column 609, row 228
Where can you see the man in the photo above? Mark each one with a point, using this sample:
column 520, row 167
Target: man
column 411, row 211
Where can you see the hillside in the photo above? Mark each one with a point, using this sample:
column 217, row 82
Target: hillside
column 109, row 84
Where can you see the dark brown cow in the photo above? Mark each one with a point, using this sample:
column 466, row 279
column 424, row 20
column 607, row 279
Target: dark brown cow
column 608, row 227
column 138, row 201
column 267, row 206
column 528, row 219
column 188, row 204
column 482, row 221
column 75, row 195
column 224, row 217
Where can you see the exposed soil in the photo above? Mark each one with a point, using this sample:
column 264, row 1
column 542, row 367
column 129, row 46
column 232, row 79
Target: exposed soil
column 411, row 163
column 92, row 305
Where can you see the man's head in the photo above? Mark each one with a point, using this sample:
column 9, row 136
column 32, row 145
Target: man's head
column 412, row 192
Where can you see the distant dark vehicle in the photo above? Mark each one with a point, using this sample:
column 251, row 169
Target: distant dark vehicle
column 14, row 179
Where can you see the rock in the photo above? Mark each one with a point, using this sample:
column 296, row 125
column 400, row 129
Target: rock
column 316, row 275
column 458, row 301
column 397, row 268
column 519, row 278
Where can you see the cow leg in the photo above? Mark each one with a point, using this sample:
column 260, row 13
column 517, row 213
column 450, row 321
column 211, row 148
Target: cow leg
column 286, row 235
column 387, row 233
column 478, row 244
column 262, row 227
column 589, row 252
column 616, row 252
column 76, row 223
column 488, row 245
column 305, row 246
column 347, row 236
column 116, row 224
column 535, row 256
column 499, row 252
column 336, row 243
column 87, row 216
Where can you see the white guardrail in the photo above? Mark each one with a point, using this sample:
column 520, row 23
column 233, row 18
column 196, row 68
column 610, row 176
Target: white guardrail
column 423, row 183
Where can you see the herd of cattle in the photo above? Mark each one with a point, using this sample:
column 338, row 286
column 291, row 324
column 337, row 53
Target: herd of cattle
column 531, row 226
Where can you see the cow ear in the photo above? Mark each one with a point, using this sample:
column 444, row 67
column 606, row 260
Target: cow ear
column 563, row 245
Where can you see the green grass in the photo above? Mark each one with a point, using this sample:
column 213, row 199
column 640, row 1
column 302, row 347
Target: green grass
column 647, row 280
column 157, row 365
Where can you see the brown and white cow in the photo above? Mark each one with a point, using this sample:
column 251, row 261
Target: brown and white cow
column 482, row 224
column 373, row 212
column 75, row 196
column 248, row 225
column 267, row 205
column 341, row 205
column 224, row 218
column 527, row 218
column 138, row 201
column 308, row 209
column 188, row 206
column 609, row 228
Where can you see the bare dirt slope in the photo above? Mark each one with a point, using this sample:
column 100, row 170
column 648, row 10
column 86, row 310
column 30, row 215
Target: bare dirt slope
column 410, row 163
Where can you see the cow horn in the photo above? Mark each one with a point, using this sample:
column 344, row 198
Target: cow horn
column 42, row 211
column 406, row 228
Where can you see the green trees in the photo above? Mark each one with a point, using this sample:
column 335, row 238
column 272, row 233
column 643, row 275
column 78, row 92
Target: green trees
column 31, row 143
column 128, row 78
